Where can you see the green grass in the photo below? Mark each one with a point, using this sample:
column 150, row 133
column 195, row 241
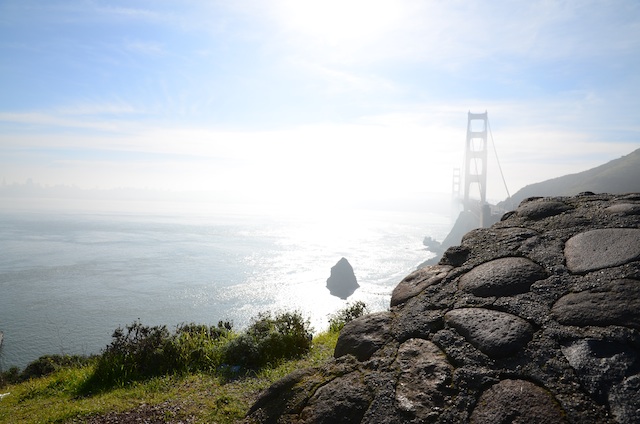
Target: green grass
column 207, row 396
column 207, row 373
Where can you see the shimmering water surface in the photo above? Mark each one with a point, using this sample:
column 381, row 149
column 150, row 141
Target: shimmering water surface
column 67, row 280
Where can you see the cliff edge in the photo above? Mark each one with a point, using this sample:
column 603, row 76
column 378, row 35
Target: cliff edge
column 533, row 320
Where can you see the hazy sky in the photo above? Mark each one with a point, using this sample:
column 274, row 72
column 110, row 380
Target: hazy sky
column 312, row 99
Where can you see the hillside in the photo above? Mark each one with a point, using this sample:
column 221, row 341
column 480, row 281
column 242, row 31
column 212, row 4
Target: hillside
column 617, row 176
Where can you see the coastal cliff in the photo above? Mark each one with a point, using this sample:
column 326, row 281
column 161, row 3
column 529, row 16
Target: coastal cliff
column 533, row 320
column 618, row 176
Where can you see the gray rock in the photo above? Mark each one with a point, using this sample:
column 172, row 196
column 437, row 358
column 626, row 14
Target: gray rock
column 602, row 248
column 425, row 375
column 517, row 402
column 614, row 303
column 502, row 277
column 417, row 281
column 455, row 255
column 624, row 209
column 415, row 319
column 383, row 409
column 342, row 281
column 363, row 336
column 601, row 365
column 535, row 319
column 342, row 400
column 494, row 333
column 271, row 403
column 624, row 400
column 541, row 208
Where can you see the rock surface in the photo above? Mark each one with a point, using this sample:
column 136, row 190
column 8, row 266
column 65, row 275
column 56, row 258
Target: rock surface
column 342, row 281
column 534, row 320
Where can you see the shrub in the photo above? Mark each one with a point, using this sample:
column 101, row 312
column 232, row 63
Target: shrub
column 48, row 364
column 338, row 320
column 135, row 352
column 41, row 367
column 139, row 352
column 223, row 329
column 197, row 347
column 11, row 376
column 269, row 340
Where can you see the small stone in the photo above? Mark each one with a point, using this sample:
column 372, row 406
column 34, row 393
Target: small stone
column 517, row 402
column 502, row 277
column 602, row 248
column 615, row 303
column 495, row 333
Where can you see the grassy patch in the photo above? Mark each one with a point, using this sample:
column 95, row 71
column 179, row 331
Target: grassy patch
column 203, row 396
column 197, row 373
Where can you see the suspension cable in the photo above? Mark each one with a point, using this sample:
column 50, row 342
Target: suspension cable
column 495, row 151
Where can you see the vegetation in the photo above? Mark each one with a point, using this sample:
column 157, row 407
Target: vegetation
column 338, row 320
column 197, row 372
column 269, row 340
column 42, row 366
column 140, row 352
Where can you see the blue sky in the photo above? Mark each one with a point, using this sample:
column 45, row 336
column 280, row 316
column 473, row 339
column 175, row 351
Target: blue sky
column 312, row 100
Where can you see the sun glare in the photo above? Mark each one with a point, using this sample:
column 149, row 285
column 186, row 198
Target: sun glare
column 335, row 22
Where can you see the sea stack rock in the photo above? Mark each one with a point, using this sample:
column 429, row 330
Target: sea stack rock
column 533, row 320
column 342, row 281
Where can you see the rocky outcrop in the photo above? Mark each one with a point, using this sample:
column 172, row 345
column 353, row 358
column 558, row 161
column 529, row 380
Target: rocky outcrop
column 533, row 320
column 342, row 280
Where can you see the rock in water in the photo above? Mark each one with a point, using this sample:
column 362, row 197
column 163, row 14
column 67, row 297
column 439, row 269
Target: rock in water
column 342, row 281
column 533, row 320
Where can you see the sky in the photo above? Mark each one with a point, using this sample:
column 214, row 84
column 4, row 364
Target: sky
column 297, row 101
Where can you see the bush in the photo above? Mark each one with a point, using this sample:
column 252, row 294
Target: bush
column 197, row 347
column 215, row 333
column 48, row 364
column 138, row 352
column 338, row 320
column 41, row 367
column 135, row 352
column 11, row 376
column 269, row 340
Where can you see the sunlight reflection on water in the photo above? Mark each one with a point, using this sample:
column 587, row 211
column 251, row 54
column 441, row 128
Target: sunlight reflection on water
column 69, row 280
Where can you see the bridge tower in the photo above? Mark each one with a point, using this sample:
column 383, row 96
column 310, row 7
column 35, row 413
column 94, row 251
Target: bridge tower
column 475, row 158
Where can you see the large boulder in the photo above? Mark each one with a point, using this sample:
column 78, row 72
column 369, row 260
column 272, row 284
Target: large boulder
column 533, row 320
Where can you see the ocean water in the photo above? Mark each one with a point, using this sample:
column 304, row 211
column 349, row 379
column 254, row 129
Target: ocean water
column 68, row 279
